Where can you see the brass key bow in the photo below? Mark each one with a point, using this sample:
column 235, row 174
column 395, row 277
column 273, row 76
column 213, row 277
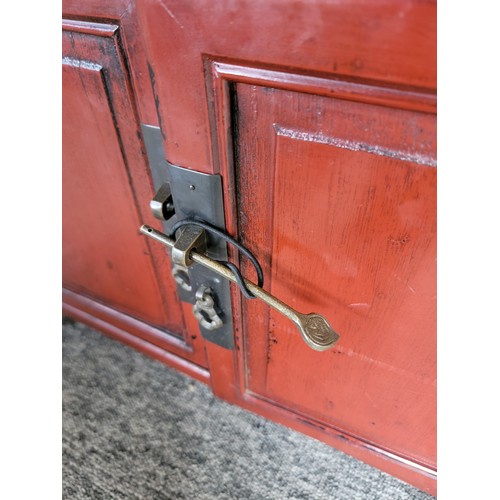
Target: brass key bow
column 314, row 328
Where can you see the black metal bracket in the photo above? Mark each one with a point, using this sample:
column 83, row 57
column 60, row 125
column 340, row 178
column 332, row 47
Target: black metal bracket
column 192, row 194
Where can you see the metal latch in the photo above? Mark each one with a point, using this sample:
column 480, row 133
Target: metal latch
column 190, row 205
column 314, row 328
column 181, row 194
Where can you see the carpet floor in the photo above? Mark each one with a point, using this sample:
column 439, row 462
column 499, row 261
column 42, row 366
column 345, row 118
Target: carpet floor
column 136, row 429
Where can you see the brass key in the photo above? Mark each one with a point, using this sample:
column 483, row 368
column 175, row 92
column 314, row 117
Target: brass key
column 314, row 328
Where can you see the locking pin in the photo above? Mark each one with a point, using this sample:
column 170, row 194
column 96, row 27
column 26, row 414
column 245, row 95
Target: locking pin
column 314, row 328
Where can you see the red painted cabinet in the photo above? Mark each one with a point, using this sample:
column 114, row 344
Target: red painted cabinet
column 321, row 121
column 108, row 272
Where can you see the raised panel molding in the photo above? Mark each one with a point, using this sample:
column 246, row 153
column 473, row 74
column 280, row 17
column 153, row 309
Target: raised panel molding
column 107, row 198
column 223, row 79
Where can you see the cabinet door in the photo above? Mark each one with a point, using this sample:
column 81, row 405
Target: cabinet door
column 337, row 197
column 110, row 272
column 320, row 118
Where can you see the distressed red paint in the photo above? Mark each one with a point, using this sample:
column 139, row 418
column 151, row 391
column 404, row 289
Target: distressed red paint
column 329, row 110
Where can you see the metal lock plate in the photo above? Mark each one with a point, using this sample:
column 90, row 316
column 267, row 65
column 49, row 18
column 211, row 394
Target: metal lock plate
column 194, row 194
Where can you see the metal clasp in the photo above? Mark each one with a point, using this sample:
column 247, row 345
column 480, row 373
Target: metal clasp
column 204, row 309
column 315, row 329
column 191, row 239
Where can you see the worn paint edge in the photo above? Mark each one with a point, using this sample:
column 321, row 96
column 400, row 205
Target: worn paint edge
column 369, row 92
column 335, row 432
column 79, row 63
column 89, row 27
column 303, row 135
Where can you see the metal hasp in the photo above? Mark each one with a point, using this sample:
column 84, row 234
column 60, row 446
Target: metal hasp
column 314, row 328
column 162, row 205
column 183, row 193
column 204, row 310
column 189, row 239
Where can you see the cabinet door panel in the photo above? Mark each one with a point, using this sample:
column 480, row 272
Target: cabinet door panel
column 337, row 198
column 107, row 189
column 325, row 140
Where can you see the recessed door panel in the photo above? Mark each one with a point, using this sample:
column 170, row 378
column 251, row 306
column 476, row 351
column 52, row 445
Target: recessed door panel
column 107, row 188
column 337, row 198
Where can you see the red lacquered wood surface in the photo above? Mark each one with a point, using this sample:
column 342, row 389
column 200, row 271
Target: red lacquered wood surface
column 318, row 115
column 121, row 13
column 107, row 188
column 391, row 42
column 338, row 200
column 336, row 195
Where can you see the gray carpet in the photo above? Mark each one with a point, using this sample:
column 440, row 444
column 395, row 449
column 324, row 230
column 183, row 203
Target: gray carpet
column 136, row 429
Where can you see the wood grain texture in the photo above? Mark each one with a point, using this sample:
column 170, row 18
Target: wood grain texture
column 337, row 198
column 348, row 232
column 222, row 384
column 107, row 188
column 390, row 42
column 94, row 13
column 320, row 119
